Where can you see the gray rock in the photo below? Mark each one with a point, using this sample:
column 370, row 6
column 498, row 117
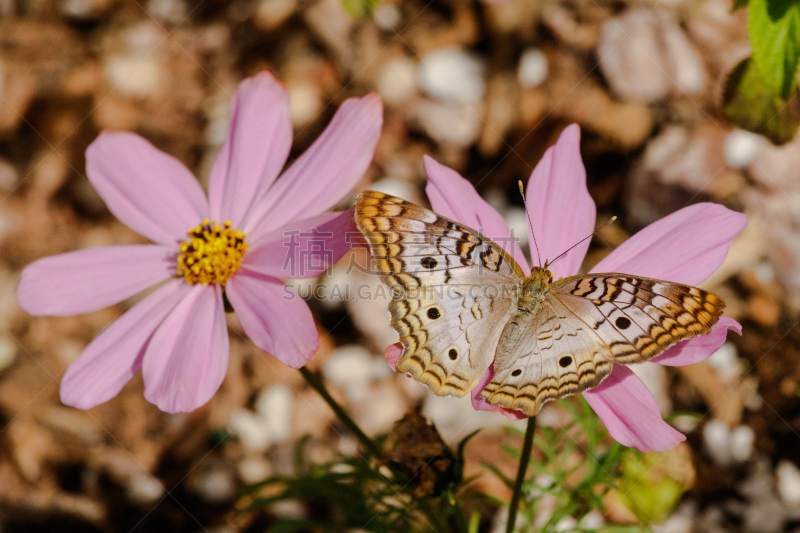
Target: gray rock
column 765, row 516
column 645, row 56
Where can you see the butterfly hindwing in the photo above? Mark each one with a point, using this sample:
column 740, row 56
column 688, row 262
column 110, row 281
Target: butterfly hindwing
column 560, row 356
column 452, row 288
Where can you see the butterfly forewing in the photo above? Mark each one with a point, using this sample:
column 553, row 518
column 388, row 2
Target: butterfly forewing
column 591, row 322
column 452, row 290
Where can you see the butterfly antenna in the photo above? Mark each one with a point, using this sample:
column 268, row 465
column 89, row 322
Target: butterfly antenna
column 530, row 222
column 562, row 254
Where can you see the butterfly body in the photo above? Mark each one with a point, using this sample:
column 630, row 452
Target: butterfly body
column 461, row 303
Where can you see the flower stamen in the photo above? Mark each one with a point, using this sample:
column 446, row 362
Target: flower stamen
column 211, row 253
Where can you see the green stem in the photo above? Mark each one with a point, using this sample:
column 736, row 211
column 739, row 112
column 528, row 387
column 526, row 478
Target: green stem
column 319, row 386
column 462, row 524
column 524, row 459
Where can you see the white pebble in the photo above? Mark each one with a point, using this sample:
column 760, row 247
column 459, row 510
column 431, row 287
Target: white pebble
column 716, row 437
column 398, row 80
column 685, row 423
column 335, row 288
column 459, row 125
column 133, row 75
column 350, row 367
column 172, row 11
column 251, row 429
column 144, row 489
column 788, row 482
column 533, row 67
column 8, row 352
column 9, row 177
column 382, row 408
column 387, row 16
column 271, row 422
column 681, row 520
column 655, row 378
column 592, row 520
column 453, row 75
column 566, row 524
column 741, row 147
column 276, row 399
column 218, row 118
column 395, row 187
column 726, row 362
column 764, row 516
column 742, row 440
column 216, row 485
column 517, row 221
column 288, row 510
column 305, row 102
column 765, row 272
column 254, row 469
column 542, row 481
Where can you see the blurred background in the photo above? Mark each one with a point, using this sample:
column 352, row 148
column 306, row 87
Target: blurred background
column 484, row 87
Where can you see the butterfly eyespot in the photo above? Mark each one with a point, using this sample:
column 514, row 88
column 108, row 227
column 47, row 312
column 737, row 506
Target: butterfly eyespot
column 453, row 354
column 565, row 361
column 516, row 372
column 429, row 262
column 433, row 313
column 623, row 322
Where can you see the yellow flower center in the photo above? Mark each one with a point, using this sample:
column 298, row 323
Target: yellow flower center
column 211, row 253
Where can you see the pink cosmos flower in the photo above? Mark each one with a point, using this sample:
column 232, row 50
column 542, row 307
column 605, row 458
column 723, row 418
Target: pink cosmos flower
column 685, row 247
column 252, row 230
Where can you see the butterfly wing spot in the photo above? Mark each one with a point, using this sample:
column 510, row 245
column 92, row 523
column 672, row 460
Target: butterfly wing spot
column 453, row 354
column 429, row 262
column 565, row 361
column 623, row 322
column 434, row 313
column 517, row 372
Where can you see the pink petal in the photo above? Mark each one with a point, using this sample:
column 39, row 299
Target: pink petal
column 187, row 358
column 149, row 191
column 87, row 280
column 274, row 317
column 305, row 248
column 328, row 170
column 393, row 355
column 258, row 143
column 479, row 404
column 699, row 349
column 630, row 413
column 454, row 197
column 562, row 212
column 109, row 362
column 684, row 247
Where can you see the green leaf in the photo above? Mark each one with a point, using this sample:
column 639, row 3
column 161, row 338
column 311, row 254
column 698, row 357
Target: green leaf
column 774, row 30
column 496, row 471
column 738, row 4
column 462, row 445
column 360, row 8
column 750, row 104
column 474, row 522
